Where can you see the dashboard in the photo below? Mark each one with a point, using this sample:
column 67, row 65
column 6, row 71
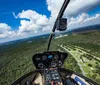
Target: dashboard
column 69, row 77
column 49, row 72
column 49, row 59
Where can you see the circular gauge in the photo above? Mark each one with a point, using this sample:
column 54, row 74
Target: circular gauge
column 38, row 58
column 40, row 65
column 60, row 63
column 56, row 57
column 44, row 57
column 53, row 64
column 62, row 56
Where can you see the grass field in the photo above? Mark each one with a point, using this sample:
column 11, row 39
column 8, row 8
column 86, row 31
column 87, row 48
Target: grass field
column 83, row 50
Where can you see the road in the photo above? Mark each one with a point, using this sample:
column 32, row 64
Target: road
column 75, row 59
column 83, row 62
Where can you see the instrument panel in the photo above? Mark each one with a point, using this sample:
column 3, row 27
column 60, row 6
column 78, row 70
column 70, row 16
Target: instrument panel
column 49, row 59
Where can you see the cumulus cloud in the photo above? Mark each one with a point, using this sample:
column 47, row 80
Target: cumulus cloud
column 7, row 34
column 40, row 22
column 33, row 23
column 4, row 28
column 79, row 6
column 83, row 20
column 75, row 7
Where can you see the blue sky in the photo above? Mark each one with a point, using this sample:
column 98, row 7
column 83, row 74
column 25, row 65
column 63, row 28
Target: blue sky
column 16, row 6
column 94, row 11
column 25, row 18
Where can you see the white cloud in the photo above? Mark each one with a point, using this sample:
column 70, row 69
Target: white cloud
column 83, row 20
column 14, row 15
column 4, row 28
column 79, row 6
column 74, row 8
column 54, row 6
column 31, row 27
column 33, row 23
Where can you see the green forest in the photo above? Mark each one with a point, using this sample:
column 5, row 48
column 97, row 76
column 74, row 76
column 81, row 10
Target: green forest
column 16, row 58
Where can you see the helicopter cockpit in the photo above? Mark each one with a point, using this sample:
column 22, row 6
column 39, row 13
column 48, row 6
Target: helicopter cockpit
column 49, row 72
column 49, row 64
